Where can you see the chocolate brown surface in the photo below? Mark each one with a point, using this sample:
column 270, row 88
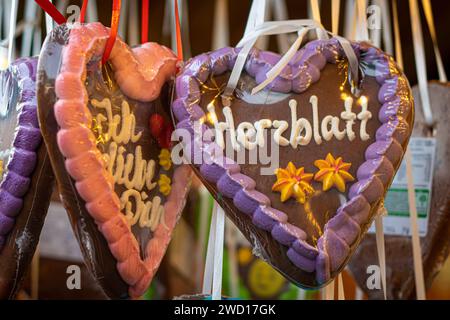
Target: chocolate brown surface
column 322, row 206
column 16, row 256
column 327, row 90
column 99, row 89
column 436, row 244
column 94, row 247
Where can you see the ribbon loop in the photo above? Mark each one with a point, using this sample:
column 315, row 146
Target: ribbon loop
column 114, row 29
column 301, row 27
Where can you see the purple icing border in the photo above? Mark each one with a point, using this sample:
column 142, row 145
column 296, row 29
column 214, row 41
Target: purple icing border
column 27, row 140
column 373, row 176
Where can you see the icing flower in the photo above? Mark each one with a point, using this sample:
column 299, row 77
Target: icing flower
column 164, row 184
column 164, row 159
column 1, row 169
column 333, row 172
column 293, row 182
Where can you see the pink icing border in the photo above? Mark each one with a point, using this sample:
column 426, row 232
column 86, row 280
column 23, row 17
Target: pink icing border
column 140, row 73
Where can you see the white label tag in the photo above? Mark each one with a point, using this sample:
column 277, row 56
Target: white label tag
column 396, row 202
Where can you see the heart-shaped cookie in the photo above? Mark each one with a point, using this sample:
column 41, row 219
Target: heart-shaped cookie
column 108, row 136
column 436, row 244
column 26, row 177
column 334, row 154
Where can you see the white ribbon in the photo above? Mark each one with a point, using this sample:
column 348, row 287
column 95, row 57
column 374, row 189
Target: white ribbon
column 204, row 211
column 398, row 45
column 276, row 70
column 301, row 26
column 417, row 251
column 381, row 251
column 328, row 291
column 123, row 19
column 387, row 27
column 37, row 36
column 350, row 19
column 280, row 13
column 301, row 294
column 27, row 38
column 12, row 30
column 231, row 243
column 419, row 54
column 315, row 12
column 133, row 24
column 92, row 12
column 48, row 22
column 341, row 293
column 212, row 279
column 417, row 255
column 335, row 8
column 221, row 34
column 359, row 294
column 426, row 4
column 256, row 16
column 362, row 33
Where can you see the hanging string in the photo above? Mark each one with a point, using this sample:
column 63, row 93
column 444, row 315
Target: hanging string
column 144, row 22
column 315, row 12
column 51, row 10
column 12, row 31
column 362, row 34
column 83, row 11
column 381, row 249
column 335, row 8
column 398, row 45
column 301, row 27
column 421, row 67
column 426, row 4
column 178, row 32
column 387, row 26
column 417, row 254
column 212, row 276
column 27, row 39
column 256, row 15
column 341, row 293
column 115, row 16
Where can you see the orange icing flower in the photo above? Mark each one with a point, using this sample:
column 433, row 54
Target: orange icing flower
column 333, row 172
column 293, row 182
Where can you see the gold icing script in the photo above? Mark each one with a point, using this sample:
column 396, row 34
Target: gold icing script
column 127, row 169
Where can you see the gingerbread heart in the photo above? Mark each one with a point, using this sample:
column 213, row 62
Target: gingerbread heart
column 334, row 154
column 26, row 177
column 107, row 131
column 435, row 245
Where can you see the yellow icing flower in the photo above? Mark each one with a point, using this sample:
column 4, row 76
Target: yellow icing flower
column 165, row 184
column 333, row 172
column 293, row 182
column 1, row 168
column 165, row 160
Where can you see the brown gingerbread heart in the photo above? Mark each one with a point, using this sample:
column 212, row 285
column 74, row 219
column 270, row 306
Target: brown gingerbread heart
column 337, row 153
column 108, row 131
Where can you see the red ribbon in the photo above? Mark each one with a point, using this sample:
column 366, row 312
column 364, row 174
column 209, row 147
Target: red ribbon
column 51, row 10
column 178, row 33
column 83, row 11
column 114, row 28
column 144, row 20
